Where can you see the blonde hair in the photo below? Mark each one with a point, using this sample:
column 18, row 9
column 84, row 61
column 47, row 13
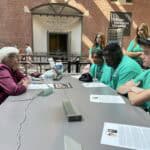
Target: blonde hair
column 145, row 29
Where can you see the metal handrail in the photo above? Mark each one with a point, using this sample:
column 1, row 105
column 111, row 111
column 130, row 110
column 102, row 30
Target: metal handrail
column 67, row 63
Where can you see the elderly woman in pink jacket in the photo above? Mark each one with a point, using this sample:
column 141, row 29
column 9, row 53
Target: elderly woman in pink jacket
column 12, row 81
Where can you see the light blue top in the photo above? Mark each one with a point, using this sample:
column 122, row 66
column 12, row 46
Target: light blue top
column 144, row 79
column 127, row 69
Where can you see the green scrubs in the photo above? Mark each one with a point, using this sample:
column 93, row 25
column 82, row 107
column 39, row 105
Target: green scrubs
column 135, row 47
column 96, row 49
column 101, row 72
column 144, row 79
column 127, row 69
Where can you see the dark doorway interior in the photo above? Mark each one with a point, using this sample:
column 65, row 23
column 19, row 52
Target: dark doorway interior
column 58, row 44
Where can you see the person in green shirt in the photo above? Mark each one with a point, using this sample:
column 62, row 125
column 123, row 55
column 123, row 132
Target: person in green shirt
column 138, row 90
column 125, row 68
column 134, row 49
column 99, row 44
column 99, row 70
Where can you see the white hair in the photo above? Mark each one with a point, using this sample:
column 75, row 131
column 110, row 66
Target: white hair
column 5, row 51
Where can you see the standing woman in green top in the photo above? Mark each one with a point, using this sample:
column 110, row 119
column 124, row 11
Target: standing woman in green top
column 134, row 49
column 99, row 44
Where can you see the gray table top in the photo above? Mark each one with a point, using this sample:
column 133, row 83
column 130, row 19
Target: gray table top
column 40, row 124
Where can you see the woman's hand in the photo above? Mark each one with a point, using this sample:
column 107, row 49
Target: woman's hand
column 25, row 82
column 124, row 89
column 136, row 89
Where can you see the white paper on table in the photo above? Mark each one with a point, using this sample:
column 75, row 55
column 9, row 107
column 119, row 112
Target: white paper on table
column 39, row 86
column 94, row 84
column 71, row 144
column 132, row 137
column 107, row 99
column 76, row 76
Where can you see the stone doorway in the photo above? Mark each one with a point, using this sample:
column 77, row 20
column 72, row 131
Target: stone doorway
column 57, row 27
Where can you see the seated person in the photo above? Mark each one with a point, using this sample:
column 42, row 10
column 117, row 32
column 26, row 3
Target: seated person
column 99, row 70
column 125, row 68
column 12, row 81
column 138, row 90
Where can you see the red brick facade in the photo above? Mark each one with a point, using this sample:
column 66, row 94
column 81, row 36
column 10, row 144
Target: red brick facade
column 16, row 25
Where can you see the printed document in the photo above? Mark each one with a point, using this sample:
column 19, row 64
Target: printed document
column 39, row 86
column 127, row 136
column 107, row 99
column 94, row 84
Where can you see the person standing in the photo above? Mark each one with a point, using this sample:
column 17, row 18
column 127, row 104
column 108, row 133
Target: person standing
column 28, row 49
column 28, row 53
column 134, row 49
column 99, row 44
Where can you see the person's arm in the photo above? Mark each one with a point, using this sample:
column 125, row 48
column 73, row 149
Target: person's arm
column 19, row 75
column 130, row 50
column 25, row 81
column 125, row 88
column 90, row 59
column 92, row 70
column 10, row 86
column 125, row 76
column 133, row 54
column 140, row 97
column 90, row 56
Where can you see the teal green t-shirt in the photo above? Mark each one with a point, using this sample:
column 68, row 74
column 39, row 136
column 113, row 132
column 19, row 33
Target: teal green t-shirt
column 144, row 79
column 96, row 48
column 127, row 69
column 102, row 73
column 135, row 47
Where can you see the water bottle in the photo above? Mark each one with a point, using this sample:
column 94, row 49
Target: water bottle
column 59, row 67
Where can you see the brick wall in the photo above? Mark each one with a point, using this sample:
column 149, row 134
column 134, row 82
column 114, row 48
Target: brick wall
column 16, row 25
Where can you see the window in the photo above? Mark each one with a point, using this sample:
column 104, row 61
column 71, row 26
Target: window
column 115, row 35
column 123, row 1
